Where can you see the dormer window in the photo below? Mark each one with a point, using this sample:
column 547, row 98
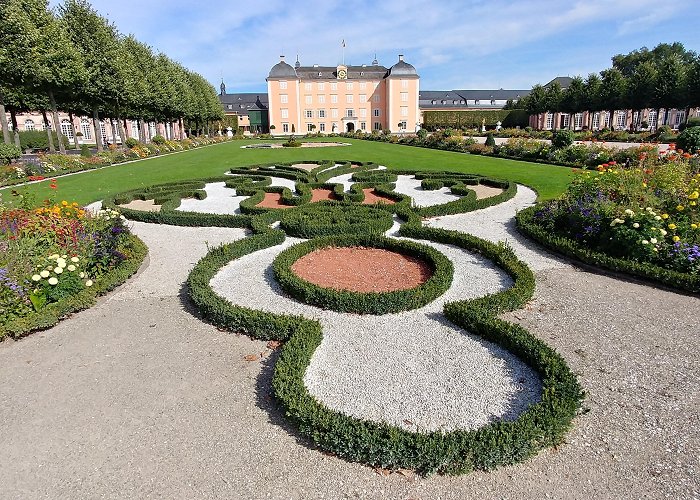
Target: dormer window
column 443, row 101
column 433, row 101
column 362, row 73
column 320, row 74
column 230, row 106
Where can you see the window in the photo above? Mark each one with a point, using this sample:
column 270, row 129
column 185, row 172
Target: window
column 652, row 119
column 86, row 129
column 607, row 119
column 404, row 97
column 404, row 110
column 334, row 113
column 377, row 112
column 321, row 99
column 29, row 125
column 680, row 118
column 284, row 99
column 134, row 130
column 363, row 97
column 578, row 121
column 307, row 99
column 230, row 106
column 363, row 125
column 334, row 86
column 377, row 126
column 402, row 125
column 549, row 121
column 348, row 86
column 307, row 86
column 321, row 86
column 376, row 98
column 596, row 120
column 285, row 127
column 363, row 112
column 404, row 84
column 565, row 119
column 433, row 101
column 321, row 113
column 621, row 119
column 285, row 113
column 308, row 113
column 283, row 84
column 363, row 85
column 321, row 127
column 476, row 101
column 334, row 98
column 348, row 98
column 349, row 113
column 151, row 129
column 67, row 129
column 310, row 127
column 103, row 130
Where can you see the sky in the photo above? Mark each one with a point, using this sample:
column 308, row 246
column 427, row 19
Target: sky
column 470, row 44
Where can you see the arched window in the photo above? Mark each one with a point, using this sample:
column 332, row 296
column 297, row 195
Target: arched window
column 67, row 129
column 29, row 125
column 86, row 129
column 134, row 130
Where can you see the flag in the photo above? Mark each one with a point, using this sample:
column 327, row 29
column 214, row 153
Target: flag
column 343, row 43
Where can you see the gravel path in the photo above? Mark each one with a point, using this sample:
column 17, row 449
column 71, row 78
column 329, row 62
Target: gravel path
column 412, row 369
column 410, row 186
column 137, row 398
column 219, row 200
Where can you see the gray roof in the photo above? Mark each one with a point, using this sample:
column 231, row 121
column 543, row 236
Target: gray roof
column 364, row 72
column 244, row 102
column 563, row 81
column 453, row 99
column 282, row 70
column 402, row 68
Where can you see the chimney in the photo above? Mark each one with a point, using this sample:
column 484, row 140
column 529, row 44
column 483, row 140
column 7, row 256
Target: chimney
column 401, row 57
column 281, row 58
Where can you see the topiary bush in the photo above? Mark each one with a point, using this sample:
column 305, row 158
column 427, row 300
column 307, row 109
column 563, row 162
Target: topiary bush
column 562, row 139
column 490, row 141
column 158, row 139
column 38, row 139
column 689, row 140
column 8, row 153
column 131, row 142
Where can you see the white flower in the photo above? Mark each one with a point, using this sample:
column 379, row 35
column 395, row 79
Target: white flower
column 649, row 209
column 61, row 263
column 653, row 240
column 635, row 225
column 629, row 212
column 645, row 242
column 74, row 259
column 58, row 270
column 71, row 267
column 82, row 275
column 88, row 283
column 36, row 277
column 44, row 273
column 64, row 257
column 53, row 281
column 658, row 217
column 663, row 232
column 54, row 256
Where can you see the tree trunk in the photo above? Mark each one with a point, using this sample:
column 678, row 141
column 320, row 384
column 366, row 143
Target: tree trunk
column 57, row 123
column 181, row 126
column 122, row 132
column 98, row 130
column 15, row 130
column 3, row 120
column 52, row 148
column 143, row 130
column 75, row 135
column 114, row 132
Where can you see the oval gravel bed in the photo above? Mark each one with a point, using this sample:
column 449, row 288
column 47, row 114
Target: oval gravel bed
column 273, row 200
column 361, row 269
column 372, row 197
column 321, row 194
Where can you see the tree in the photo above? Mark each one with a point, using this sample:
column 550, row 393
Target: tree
column 592, row 101
column 612, row 91
column 573, row 98
column 641, row 86
column 670, row 91
column 553, row 99
column 535, row 102
column 692, row 86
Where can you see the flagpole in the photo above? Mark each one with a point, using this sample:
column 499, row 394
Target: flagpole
column 343, row 45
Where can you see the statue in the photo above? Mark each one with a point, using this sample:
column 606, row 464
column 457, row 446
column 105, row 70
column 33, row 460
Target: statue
column 483, row 124
column 229, row 132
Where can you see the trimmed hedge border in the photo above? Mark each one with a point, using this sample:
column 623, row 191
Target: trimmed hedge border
column 358, row 302
column 501, row 443
column 331, row 218
column 52, row 313
column 566, row 246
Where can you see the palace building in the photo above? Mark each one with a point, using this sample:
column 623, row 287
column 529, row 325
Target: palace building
column 343, row 98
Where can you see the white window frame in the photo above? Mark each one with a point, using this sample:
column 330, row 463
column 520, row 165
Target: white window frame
column 285, row 127
column 308, row 113
column 29, row 124
column 578, row 121
column 377, row 112
column 334, row 113
column 404, row 97
column 309, row 127
column 349, row 98
column 350, row 113
column 308, row 99
column 334, row 86
column 283, row 84
column 321, row 86
column 596, row 120
column 334, row 98
column 549, row 121
column 321, row 113
column 377, row 126
column 376, row 98
column 621, row 120
column 321, row 99
column 307, row 86
column 363, row 112
column 404, row 84
column 363, row 98
column 565, row 120
column 363, row 85
column 284, row 113
column 653, row 119
column 363, row 125
column 349, row 86
column 67, row 129
column 404, row 111
column 321, row 127
column 284, row 98
column 86, row 129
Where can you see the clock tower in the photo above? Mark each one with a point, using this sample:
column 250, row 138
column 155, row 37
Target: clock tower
column 342, row 72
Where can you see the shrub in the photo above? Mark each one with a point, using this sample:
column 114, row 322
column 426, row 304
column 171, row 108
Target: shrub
column 38, row 139
column 490, row 141
column 691, row 122
column 158, row 139
column 562, row 139
column 689, row 140
column 9, row 152
column 85, row 151
column 479, row 149
column 422, row 134
column 131, row 142
column 291, row 143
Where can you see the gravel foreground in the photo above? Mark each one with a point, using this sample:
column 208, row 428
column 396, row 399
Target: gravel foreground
column 137, row 398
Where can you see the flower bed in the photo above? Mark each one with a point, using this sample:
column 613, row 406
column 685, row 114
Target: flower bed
column 56, row 259
column 643, row 220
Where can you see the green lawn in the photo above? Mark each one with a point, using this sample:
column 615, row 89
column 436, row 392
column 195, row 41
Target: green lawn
column 549, row 181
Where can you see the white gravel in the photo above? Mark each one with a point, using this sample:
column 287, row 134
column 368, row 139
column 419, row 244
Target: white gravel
column 410, row 186
column 412, row 369
column 346, row 179
column 497, row 223
column 219, row 200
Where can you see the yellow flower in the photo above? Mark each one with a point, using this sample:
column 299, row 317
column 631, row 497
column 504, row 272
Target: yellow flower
column 664, row 216
column 680, row 208
column 64, row 203
column 676, row 238
column 694, row 195
column 672, row 226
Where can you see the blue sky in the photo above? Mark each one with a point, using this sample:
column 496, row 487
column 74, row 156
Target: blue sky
column 473, row 44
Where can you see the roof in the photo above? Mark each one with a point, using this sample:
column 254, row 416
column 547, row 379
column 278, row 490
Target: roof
column 563, row 81
column 366, row 72
column 402, row 68
column 244, row 102
column 461, row 99
column 282, row 70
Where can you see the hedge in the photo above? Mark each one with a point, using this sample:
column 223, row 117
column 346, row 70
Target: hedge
column 328, row 218
column 135, row 251
column 357, row 302
column 526, row 225
column 474, row 118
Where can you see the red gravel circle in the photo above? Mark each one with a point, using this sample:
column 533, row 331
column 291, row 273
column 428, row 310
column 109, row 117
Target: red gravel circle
column 273, row 200
column 362, row 269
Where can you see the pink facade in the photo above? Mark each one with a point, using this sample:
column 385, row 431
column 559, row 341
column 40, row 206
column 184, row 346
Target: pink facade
column 647, row 119
column 343, row 98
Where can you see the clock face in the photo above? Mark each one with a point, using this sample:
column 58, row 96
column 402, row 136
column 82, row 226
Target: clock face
column 342, row 74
